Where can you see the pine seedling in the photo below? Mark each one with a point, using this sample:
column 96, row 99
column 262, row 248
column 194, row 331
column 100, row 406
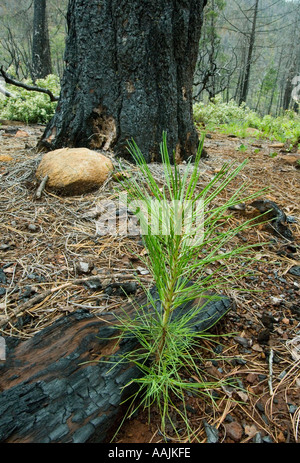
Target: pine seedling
column 184, row 230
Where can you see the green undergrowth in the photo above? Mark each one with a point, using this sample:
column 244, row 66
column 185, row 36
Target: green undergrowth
column 230, row 118
column 28, row 106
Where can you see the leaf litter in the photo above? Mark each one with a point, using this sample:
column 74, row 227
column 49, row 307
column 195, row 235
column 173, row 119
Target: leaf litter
column 44, row 243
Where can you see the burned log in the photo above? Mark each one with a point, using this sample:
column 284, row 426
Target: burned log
column 278, row 221
column 55, row 388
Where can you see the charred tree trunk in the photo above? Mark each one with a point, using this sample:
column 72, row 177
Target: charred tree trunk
column 246, row 81
column 287, row 102
column 129, row 74
column 41, row 55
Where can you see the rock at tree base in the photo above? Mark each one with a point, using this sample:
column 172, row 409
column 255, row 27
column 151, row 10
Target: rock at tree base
column 55, row 389
column 74, row 170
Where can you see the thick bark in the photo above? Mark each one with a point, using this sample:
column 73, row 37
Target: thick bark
column 55, row 388
column 246, row 81
column 129, row 74
column 41, row 55
column 288, row 90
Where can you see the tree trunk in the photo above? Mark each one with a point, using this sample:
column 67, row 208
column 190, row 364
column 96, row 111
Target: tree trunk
column 275, row 83
column 41, row 55
column 246, row 81
column 129, row 74
column 287, row 96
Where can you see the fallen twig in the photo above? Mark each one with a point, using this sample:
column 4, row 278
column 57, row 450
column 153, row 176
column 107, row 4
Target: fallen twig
column 41, row 188
column 32, row 88
column 271, row 372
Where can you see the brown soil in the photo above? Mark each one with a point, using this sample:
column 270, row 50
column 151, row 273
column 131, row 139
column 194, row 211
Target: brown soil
column 42, row 241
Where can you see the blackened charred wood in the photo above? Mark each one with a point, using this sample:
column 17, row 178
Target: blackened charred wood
column 55, row 389
column 278, row 222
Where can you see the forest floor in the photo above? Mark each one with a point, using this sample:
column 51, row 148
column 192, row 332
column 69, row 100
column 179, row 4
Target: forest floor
column 45, row 242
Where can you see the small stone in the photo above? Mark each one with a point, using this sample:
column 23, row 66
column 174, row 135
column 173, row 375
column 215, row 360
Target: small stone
column 234, row 430
column 292, row 408
column 251, row 378
column 257, row 439
column 267, row 440
column 295, row 270
column 265, row 418
column 238, row 207
column 143, row 271
column 84, row 267
column 257, row 348
column 250, row 431
column 240, row 361
column 286, row 321
column 212, row 433
column 242, row 341
column 218, row 349
column 94, row 285
column 32, row 227
column 21, row 133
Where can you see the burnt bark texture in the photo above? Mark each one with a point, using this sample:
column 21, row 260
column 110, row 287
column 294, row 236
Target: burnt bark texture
column 59, row 386
column 129, row 74
column 41, row 54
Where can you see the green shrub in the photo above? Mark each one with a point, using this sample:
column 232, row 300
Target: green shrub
column 235, row 119
column 30, row 107
column 216, row 112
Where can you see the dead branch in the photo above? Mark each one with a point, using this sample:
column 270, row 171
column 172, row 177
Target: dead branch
column 41, row 188
column 32, row 88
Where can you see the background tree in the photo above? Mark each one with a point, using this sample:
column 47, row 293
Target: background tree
column 246, row 77
column 16, row 35
column 41, row 55
column 129, row 74
column 212, row 70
